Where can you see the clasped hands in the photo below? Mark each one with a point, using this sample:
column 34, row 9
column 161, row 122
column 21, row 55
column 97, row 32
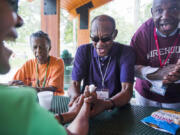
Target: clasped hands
column 97, row 105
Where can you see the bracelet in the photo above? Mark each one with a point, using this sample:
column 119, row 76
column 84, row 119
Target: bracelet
column 61, row 119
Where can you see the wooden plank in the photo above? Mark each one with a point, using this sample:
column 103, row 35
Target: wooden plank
column 51, row 25
column 82, row 34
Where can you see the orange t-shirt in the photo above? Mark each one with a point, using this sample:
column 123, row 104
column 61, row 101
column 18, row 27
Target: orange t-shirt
column 55, row 73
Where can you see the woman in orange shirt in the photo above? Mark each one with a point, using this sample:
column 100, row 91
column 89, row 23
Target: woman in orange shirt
column 45, row 72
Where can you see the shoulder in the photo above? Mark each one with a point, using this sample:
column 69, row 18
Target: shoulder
column 146, row 28
column 124, row 51
column 29, row 63
column 122, row 48
column 56, row 60
column 143, row 34
column 18, row 92
column 83, row 51
column 84, row 47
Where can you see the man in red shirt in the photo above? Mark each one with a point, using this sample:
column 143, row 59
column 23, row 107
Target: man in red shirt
column 157, row 47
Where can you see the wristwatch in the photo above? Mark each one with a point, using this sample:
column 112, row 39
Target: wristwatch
column 113, row 103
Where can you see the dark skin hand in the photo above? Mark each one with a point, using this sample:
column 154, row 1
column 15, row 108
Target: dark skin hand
column 16, row 82
column 38, row 89
column 77, row 104
column 168, row 74
column 173, row 75
column 74, row 91
column 51, row 88
column 161, row 73
column 92, row 97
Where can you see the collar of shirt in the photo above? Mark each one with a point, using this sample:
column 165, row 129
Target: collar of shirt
column 162, row 35
column 104, row 58
column 112, row 52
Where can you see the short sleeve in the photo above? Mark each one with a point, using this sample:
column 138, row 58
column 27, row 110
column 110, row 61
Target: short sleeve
column 127, row 62
column 81, row 62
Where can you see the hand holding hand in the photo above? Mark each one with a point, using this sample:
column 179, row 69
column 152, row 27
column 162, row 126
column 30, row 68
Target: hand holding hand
column 16, row 82
column 90, row 96
column 98, row 107
column 72, row 100
column 77, row 104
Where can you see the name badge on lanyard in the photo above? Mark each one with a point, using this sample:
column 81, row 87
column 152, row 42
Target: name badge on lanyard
column 102, row 93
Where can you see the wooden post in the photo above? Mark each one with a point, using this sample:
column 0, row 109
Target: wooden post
column 83, row 23
column 82, row 34
column 50, row 23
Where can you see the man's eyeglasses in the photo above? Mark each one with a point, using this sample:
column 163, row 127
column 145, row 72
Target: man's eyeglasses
column 105, row 39
column 96, row 39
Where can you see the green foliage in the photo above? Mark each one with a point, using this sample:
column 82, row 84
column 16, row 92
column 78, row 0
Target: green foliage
column 68, row 27
column 30, row 12
column 67, row 57
column 68, row 32
column 145, row 12
column 66, row 54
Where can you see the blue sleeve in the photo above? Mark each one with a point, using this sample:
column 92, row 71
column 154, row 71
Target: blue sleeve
column 80, row 65
column 127, row 62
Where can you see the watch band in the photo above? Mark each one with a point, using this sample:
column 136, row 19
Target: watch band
column 113, row 103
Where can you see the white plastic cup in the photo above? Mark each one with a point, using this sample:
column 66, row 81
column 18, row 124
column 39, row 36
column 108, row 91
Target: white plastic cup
column 45, row 98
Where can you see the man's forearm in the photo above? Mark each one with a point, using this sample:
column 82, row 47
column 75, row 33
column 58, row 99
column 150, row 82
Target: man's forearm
column 124, row 96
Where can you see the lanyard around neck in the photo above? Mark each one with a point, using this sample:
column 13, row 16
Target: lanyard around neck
column 103, row 76
column 37, row 75
column 157, row 46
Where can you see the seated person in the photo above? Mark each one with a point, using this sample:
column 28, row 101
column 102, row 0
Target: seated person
column 44, row 73
column 20, row 113
column 106, row 64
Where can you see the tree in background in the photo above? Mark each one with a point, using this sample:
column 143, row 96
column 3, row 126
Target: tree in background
column 66, row 27
column 124, row 19
column 126, row 27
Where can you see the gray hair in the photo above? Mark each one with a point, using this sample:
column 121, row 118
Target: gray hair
column 41, row 34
